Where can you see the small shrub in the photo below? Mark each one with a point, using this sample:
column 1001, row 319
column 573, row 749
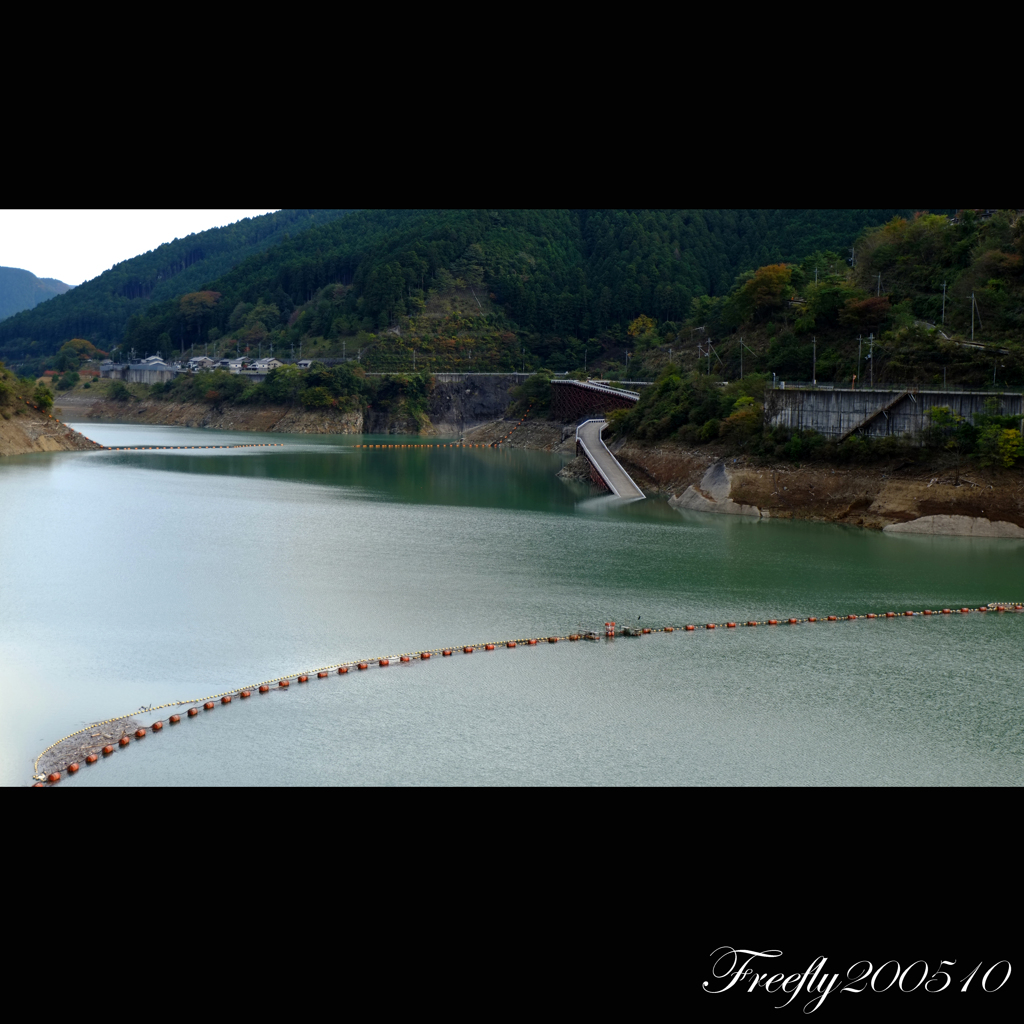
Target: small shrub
column 118, row 392
column 316, row 398
column 710, row 430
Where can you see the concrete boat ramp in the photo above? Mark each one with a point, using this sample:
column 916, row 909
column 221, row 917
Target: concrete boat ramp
column 605, row 468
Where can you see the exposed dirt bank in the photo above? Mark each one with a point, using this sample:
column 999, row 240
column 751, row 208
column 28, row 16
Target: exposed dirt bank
column 261, row 418
column 870, row 496
column 454, row 407
column 543, row 435
column 29, row 430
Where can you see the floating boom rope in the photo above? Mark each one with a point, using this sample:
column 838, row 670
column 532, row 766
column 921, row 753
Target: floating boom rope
column 384, row 661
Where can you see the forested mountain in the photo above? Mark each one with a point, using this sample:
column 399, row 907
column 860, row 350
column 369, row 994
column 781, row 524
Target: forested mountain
column 21, row 289
column 99, row 309
column 553, row 276
column 533, row 285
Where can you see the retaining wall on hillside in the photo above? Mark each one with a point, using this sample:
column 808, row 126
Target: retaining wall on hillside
column 873, row 413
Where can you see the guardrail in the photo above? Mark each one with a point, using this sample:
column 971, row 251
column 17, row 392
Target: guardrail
column 806, row 385
column 601, row 388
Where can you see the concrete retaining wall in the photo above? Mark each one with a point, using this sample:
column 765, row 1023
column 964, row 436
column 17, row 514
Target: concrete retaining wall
column 833, row 413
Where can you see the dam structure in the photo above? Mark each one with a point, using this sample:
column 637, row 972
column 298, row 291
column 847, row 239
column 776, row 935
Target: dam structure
column 838, row 413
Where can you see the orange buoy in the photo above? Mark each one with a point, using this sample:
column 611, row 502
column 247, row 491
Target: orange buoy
column 773, row 622
column 552, row 639
column 793, row 622
column 908, row 613
column 321, row 675
column 812, row 619
column 532, row 643
column 851, row 616
column 362, row 666
column 871, row 615
column 710, row 625
column 425, row 656
column 283, row 684
column 489, row 647
column 831, row 618
column 264, row 688
column 690, row 629
column 123, row 741
column 890, row 615
column 646, row 630
column 303, row 679
column 140, row 734
column 174, row 719
column 467, row 650
column 192, row 712
column 669, row 629
column 208, row 705
column 225, row 700
column 446, row 654
column 157, row 726
column 53, row 777
column 964, row 611
column 91, row 759
column 245, row 693
column 383, row 663
column 946, row 611
column 511, row 643
column 343, row 670
column 73, row 767
column 404, row 657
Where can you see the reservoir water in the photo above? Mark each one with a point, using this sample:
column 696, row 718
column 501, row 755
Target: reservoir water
column 135, row 578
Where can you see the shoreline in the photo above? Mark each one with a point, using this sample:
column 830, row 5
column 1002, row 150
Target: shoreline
column 893, row 498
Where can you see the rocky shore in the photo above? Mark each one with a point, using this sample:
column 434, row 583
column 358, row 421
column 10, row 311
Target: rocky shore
column 896, row 498
column 30, row 430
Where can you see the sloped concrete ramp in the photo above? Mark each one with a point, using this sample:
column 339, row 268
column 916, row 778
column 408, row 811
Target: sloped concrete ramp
column 620, row 483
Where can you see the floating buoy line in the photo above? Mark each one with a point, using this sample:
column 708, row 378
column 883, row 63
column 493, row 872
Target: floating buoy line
column 385, row 661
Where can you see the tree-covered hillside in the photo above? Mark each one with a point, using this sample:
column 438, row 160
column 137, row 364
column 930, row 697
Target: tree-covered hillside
column 99, row 309
column 533, row 285
column 21, row 289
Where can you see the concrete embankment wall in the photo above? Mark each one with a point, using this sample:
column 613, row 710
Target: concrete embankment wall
column 833, row 413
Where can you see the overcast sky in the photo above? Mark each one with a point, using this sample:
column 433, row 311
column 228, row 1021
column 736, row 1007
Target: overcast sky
column 77, row 245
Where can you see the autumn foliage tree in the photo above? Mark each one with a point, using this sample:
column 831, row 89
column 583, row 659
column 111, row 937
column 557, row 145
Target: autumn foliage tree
column 768, row 290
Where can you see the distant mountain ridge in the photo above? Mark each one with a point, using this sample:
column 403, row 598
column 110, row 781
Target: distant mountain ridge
column 100, row 308
column 21, row 289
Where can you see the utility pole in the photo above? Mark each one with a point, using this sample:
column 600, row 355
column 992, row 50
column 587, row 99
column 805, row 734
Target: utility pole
column 943, row 303
column 853, row 256
column 860, row 348
column 878, row 291
column 814, row 365
column 871, row 356
column 972, row 316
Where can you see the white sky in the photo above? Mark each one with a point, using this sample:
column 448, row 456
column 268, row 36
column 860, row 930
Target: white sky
column 77, row 245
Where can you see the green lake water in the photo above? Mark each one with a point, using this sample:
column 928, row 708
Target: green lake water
column 135, row 578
